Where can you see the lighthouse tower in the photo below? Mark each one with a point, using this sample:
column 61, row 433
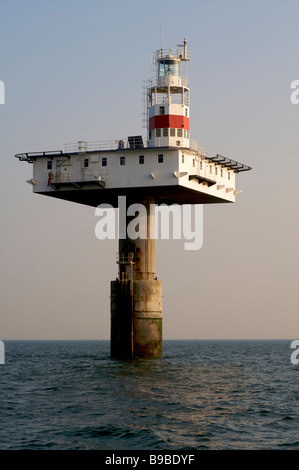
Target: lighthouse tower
column 132, row 174
column 168, row 99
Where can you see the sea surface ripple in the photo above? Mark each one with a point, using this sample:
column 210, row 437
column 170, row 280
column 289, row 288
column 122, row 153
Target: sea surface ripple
column 68, row 395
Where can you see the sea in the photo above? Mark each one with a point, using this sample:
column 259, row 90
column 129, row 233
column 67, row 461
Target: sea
column 201, row 395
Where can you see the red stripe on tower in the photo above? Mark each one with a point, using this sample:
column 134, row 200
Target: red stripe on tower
column 169, row 120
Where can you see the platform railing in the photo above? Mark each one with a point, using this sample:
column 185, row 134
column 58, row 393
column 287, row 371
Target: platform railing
column 201, row 150
column 83, row 146
column 154, row 82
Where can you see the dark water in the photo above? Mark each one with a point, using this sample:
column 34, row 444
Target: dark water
column 200, row 395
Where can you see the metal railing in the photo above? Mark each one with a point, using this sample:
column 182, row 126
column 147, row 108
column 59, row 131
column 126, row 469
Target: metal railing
column 83, row 146
column 154, row 82
column 63, row 177
column 201, row 150
column 177, row 53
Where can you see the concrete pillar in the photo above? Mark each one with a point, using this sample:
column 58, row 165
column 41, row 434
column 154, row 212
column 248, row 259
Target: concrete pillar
column 136, row 295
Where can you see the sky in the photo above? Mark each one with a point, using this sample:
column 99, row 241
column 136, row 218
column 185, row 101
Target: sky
column 73, row 70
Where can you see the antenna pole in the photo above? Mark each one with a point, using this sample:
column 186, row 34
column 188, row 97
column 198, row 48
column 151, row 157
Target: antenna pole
column 185, row 48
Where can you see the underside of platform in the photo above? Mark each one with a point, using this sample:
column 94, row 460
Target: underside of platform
column 161, row 194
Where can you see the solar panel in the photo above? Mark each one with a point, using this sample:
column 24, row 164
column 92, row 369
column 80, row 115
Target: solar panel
column 135, row 142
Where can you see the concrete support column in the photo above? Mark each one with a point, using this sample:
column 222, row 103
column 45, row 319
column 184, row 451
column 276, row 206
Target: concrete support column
column 136, row 295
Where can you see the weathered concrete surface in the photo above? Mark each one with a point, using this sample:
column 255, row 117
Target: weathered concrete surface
column 147, row 320
column 136, row 298
column 136, row 319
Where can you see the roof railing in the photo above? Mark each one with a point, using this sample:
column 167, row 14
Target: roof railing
column 134, row 142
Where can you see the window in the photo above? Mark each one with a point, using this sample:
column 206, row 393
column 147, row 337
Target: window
column 86, row 163
column 169, row 67
column 211, row 168
column 104, row 161
column 183, row 158
column 49, row 165
column 201, row 165
column 221, row 172
column 122, row 160
column 158, row 132
column 161, row 110
column 160, row 158
column 193, row 161
column 172, row 132
column 186, row 112
column 150, row 134
column 228, row 175
column 141, row 159
column 165, row 132
column 216, row 171
column 180, row 133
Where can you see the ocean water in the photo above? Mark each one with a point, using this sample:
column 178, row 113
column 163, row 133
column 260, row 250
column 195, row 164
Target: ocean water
column 69, row 395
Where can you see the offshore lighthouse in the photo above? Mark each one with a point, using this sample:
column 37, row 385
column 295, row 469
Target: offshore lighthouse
column 165, row 168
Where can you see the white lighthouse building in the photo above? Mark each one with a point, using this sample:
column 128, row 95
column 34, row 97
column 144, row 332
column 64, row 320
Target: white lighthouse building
column 168, row 100
column 166, row 166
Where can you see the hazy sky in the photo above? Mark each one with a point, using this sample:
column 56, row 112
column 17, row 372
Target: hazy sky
column 73, row 70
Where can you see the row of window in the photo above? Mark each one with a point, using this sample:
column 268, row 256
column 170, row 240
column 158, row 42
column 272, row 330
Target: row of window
column 171, row 132
column 216, row 170
column 86, row 162
column 211, row 167
column 122, row 161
